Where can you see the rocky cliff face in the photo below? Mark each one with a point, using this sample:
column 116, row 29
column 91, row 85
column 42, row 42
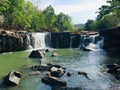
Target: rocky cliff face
column 111, row 38
column 11, row 41
column 60, row 40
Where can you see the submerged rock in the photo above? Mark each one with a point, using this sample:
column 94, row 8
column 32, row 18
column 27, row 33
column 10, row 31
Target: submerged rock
column 34, row 73
column 66, row 88
column 84, row 74
column 53, row 81
column 69, row 74
column 55, row 54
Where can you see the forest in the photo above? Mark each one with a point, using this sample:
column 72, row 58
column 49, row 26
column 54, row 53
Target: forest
column 108, row 16
column 23, row 15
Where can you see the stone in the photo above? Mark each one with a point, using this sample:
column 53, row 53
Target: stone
column 34, row 73
column 69, row 74
column 36, row 54
column 13, row 78
column 55, row 54
column 53, row 81
column 58, row 73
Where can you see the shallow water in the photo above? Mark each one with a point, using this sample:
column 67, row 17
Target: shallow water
column 93, row 63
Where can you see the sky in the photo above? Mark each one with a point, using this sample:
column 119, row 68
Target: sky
column 79, row 10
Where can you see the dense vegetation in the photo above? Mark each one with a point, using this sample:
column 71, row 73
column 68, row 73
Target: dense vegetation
column 22, row 14
column 108, row 16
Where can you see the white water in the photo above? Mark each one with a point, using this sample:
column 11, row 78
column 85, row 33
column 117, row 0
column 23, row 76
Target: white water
column 92, row 41
column 39, row 40
column 71, row 41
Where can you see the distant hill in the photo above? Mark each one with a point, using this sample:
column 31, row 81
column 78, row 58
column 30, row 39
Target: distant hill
column 79, row 26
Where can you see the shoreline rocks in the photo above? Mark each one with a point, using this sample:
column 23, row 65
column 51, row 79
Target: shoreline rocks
column 13, row 78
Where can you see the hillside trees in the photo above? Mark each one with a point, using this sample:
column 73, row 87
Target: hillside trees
column 64, row 22
column 21, row 14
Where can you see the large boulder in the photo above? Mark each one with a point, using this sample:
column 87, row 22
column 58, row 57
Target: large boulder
column 53, row 81
column 36, row 54
column 13, row 78
column 57, row 72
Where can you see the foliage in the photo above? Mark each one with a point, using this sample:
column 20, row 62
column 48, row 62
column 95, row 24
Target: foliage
column 109, row 15
column 63, row 22
column 90, row 25
column 21, row 14
column 50, row 17
column 79, row 27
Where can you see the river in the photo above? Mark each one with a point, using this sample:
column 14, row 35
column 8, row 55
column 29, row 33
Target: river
column 93, row 63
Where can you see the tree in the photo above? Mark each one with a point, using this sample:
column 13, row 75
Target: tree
column 63, row 22
column 4, row 4
column 27, row 16
column 108, row 15
column 38, row 21
column 13, row 15
column 90, row 25
column 50, row 17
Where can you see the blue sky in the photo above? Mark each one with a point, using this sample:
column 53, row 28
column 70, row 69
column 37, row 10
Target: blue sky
column 79, row 10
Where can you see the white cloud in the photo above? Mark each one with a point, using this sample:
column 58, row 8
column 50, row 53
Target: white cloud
column 68, row 9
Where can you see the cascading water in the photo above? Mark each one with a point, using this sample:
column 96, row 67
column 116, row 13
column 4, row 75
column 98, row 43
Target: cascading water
column 91, row 41
column 39, row 40
column 71, row 41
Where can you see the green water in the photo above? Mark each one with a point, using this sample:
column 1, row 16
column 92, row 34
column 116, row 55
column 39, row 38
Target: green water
column 74, row 60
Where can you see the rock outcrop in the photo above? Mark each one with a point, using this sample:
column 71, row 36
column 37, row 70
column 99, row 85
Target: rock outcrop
column 12, row 41
column 36, row 54
column 111, row 38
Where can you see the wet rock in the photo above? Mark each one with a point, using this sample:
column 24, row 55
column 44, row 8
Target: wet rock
column 34, row 73
column 53, row 81
column 13, row 78
column 84, row 74
column 113, row 65
column 36, row 54
column 55, row 54
column 48, row 50
column 69, row 74
column 58, row 72
column 66, row 88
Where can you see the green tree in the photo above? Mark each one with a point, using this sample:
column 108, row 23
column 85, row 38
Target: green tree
column 4, row 4
column 90, row 25
column 63, row 22
column 38, row 21
column 13, row 13
column 50, row 17
column 109, row 15
column 27, row 15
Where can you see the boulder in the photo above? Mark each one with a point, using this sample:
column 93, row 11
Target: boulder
column 84, row 74
column 69, row 74
column 58, row 73
column 48, row 50
column 13, row 78
column 55, row 54
column 36, row 54
column 53, row 81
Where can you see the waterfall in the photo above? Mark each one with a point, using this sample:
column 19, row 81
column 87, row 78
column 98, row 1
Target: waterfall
column 91, row 41
column 71, row 41
column 39, row 40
